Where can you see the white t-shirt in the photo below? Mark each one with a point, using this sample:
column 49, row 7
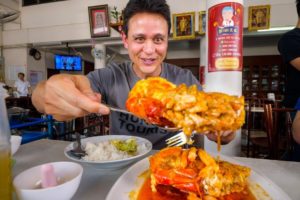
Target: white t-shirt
column 22, row 87
column 228, row 23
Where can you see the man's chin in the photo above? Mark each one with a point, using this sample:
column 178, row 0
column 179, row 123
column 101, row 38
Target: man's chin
column 148, row 69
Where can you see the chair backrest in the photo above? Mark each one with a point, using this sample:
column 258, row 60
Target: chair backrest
column 269, row 125
column 272, row 122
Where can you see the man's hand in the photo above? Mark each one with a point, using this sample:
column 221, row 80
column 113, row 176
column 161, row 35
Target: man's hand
column 296, row 127
column 226, row 136
column 66, row 97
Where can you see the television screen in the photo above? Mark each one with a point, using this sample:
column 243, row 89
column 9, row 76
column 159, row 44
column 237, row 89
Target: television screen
column 69, row 63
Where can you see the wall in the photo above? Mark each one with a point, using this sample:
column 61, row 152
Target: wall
column 1, row 33
column 57, row 22
column 283, row 12
column 36, row 66
column 14, row 57
column 261, row 45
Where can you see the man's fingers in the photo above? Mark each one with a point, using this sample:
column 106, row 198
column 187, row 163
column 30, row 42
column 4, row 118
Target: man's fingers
column 226, row 136
column 226, row 133
column 211, row 136
column 87, row 104
column 64, row 108
column 83, row 84
column 94, row 96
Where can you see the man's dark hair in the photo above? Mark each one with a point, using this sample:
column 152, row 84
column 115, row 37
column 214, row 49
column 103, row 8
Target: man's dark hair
column 21, row 73
column 298, row 7
column 149, row 6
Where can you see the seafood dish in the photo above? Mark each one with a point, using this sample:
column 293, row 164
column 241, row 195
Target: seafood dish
column 159, row 101
column 192, row 174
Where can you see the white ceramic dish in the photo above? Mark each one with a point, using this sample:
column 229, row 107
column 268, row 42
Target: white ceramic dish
column 15, row 141
column 69, row 172
column 112, row 164
column 130, row 181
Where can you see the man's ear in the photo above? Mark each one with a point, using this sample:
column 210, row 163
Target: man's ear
column 124, row 39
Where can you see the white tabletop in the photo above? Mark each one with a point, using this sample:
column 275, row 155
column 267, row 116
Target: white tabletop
column 95, row 183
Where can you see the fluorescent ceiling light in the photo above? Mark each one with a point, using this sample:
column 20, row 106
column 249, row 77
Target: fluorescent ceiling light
column 284, row 28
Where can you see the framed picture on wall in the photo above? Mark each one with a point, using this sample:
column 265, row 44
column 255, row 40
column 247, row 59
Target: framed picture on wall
column 184, row 25
column 259, row 17
column 99, row 21
column 202, row 22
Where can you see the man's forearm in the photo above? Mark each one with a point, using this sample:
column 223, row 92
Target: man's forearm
column 296, row 63
column 296, row 128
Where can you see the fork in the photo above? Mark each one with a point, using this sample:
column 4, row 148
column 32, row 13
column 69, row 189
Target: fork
column 170, row 129
column 78, row 151
column 178, row 140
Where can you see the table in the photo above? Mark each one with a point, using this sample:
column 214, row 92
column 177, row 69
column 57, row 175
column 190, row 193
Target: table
column 95, row 183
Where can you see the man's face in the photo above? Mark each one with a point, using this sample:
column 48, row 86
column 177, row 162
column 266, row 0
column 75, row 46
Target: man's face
column 21, row 77
column 227, row 15
column 147, row 43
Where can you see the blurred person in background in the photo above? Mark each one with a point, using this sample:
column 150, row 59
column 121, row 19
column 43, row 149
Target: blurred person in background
column 294, row 154
column 21, row 86
column 289, row 48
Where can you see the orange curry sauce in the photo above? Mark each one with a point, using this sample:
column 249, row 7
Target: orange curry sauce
column 146, row 193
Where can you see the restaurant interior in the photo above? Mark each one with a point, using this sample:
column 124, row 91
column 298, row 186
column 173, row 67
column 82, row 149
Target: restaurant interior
column 35, row 34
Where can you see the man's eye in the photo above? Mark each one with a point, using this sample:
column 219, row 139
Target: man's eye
column 139, row 39
column 158, row 40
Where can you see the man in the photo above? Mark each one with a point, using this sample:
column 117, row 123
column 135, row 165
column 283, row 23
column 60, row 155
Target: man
column 145, row 34
column 289, row 48
column 227, row 14
column 296, row 124
column 294, row 155
column 22, row 86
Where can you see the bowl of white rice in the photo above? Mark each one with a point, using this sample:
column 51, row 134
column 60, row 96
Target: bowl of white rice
column 103, row 154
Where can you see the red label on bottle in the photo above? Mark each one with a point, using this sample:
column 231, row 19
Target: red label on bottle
column 225, row 39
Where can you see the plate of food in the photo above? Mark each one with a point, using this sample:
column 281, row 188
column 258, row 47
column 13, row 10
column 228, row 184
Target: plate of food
column 174, row 173
column 111, row 151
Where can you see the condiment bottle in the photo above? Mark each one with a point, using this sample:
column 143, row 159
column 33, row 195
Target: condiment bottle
column 5, row 150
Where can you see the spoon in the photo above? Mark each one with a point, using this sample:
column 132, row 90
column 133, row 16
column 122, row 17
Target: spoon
column 167, row 128
column 78, row 151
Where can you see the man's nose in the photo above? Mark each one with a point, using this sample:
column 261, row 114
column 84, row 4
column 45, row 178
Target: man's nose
column 149, row 47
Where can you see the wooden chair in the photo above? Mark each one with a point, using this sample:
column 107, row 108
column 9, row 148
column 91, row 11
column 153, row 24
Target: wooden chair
column 254, row 121
column 264, row 143
column 279, row 136
column 283, row 131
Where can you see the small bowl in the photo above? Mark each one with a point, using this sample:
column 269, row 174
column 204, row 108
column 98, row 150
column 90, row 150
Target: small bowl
column 69, row 172
column 15, row 141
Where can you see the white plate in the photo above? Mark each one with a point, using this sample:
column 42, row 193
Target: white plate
column 110, row 164
column 129, row 182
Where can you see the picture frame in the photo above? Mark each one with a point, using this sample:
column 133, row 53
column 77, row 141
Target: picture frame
column 259, row 17
column 184, row 25
column 202, row 22
column 99, row 21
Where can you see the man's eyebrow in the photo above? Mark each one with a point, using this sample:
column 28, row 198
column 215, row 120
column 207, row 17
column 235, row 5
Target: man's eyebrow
column 160, row 35
column 138, row 35
column 143, row 35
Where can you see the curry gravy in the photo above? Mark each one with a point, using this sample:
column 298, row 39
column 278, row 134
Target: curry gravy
column 170, row 193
